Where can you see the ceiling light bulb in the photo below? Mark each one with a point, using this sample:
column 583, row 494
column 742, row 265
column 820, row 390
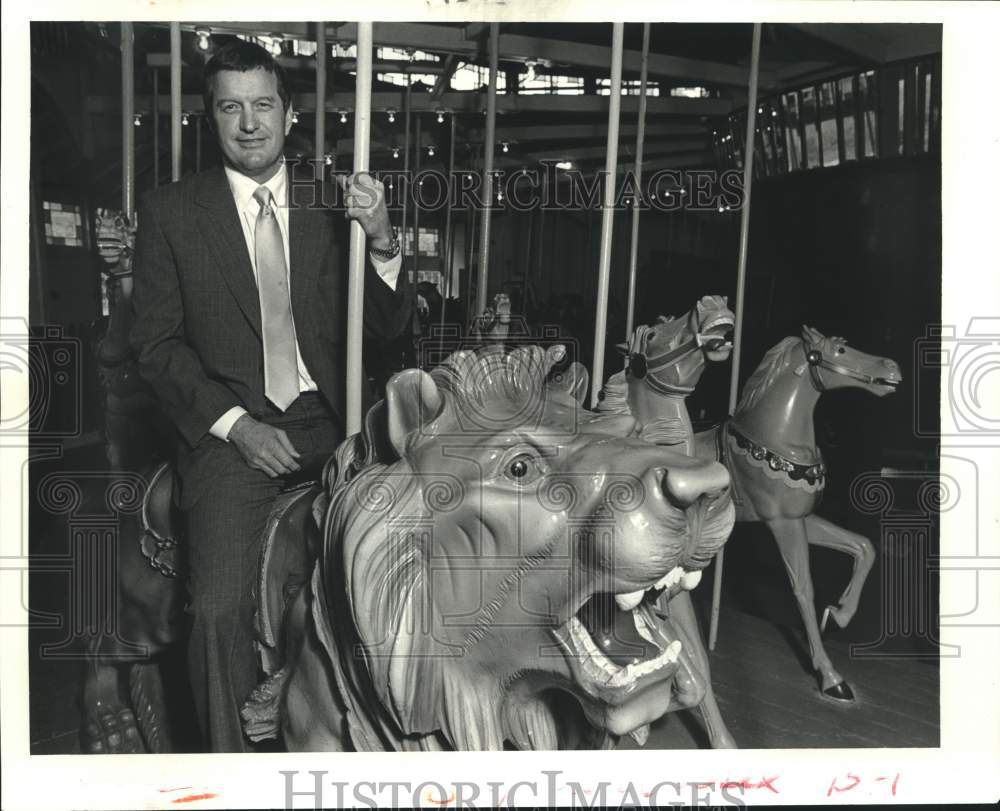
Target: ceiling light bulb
column 430, row 152
column 203, row 35
column 392, row 116
column 343, row 117
column 276, row 46
column 328, row 159
column 505, row 146
column 184, row 119
column 395, row 152
column 440, row 117
column 295, row 117
column 137, row 120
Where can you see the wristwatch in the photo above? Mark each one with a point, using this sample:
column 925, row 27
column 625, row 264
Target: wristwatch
column 385, row 254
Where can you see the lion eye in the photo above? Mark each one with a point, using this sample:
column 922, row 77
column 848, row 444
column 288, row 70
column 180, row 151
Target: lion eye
column 523, row 469
column 841, row 350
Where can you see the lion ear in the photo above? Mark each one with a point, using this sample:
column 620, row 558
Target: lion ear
column 412, row 400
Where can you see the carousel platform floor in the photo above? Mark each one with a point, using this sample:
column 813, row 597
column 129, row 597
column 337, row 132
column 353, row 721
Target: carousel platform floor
column 766, row 695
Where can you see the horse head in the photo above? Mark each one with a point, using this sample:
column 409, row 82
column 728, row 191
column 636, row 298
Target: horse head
column 671, row 354
column 832, row 364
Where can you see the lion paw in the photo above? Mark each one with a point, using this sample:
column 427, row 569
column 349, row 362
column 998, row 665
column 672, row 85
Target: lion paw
column 112, row 731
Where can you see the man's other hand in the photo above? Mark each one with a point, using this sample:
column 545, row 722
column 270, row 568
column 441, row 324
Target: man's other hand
column 264, row 447
column 365, row 199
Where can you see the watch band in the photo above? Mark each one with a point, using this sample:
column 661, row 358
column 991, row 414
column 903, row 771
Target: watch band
column 387, row 253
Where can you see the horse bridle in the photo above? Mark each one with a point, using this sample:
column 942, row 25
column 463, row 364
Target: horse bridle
column 816, row 361
column 639, row 366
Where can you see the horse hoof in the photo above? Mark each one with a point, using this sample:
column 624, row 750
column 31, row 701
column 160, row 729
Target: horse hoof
column 840, row 692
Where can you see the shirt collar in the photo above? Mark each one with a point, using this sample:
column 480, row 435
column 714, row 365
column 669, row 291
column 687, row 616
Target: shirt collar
column 243, row 188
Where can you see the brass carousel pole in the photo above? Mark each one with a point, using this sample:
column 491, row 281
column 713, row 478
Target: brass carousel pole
column 175, row 102
column 639, row 143
column 734, row 379
column 320, row 124
column 491, row 123
column 128, row 121
column 608, row 213
column 356, row 277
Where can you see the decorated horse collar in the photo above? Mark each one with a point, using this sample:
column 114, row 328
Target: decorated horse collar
column 814, row 474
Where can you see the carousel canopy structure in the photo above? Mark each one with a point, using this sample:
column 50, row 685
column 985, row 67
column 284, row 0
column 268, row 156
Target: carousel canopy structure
column 552, row 79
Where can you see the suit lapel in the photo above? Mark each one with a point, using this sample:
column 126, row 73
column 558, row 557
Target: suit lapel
column 221, row 229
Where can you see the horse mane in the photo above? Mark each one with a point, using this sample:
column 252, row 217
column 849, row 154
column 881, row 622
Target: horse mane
column 773, row 363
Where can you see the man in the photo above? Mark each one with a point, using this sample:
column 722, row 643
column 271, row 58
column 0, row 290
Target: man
column 240, row 330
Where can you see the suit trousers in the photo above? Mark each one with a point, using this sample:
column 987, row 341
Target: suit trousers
column 225, row 519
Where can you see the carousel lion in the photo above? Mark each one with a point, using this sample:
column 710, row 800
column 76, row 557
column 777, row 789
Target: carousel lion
column 485, row 566
column 489, row 566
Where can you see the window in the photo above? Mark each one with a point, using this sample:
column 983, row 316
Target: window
column 428, row 241
column 548, row 83
column 866, row 104
column 630, row 87
column 63, row 224
column 927, row 111
column 901, row 103
column 828, row 125
column 472, row 77
column 401, row 78
column 690, row 92
column 400, row 54
column 808, row 113
column 845, row 89
column 790, row 105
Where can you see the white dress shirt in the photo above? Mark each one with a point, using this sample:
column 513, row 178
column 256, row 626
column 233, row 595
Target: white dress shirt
column 243, row 189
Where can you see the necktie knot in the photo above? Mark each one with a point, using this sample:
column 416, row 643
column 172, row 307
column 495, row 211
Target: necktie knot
column 263, row 198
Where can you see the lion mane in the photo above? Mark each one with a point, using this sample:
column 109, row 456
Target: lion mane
column 373, row 608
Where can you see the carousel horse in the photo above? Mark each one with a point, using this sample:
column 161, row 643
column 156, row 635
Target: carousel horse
column 149, row 607
column 459, row 581
column 778, row 475
column 665, row 363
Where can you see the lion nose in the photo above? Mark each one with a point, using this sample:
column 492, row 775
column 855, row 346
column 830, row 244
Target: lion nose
column 685, row 485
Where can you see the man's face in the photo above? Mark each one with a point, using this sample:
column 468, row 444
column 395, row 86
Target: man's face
column 250, row 121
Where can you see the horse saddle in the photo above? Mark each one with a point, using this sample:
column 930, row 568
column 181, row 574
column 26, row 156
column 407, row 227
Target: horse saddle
column 288, row 549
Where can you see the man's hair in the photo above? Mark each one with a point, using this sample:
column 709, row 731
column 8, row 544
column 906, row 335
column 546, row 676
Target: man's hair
column 241, row 56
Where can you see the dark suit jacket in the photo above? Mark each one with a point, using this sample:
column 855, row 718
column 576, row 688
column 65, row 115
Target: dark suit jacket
column 197, row 331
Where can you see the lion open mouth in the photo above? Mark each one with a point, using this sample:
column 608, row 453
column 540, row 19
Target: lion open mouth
column 618, row 644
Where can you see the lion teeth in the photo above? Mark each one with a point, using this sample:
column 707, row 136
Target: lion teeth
column 670, row 579
column 628, row 601
column 691, row 579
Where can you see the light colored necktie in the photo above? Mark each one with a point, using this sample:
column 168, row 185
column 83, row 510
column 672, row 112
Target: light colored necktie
column 281, row 376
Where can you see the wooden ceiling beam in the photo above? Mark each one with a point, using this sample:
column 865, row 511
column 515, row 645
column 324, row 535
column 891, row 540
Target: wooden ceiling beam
column 579, row 132
column 472, row 102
